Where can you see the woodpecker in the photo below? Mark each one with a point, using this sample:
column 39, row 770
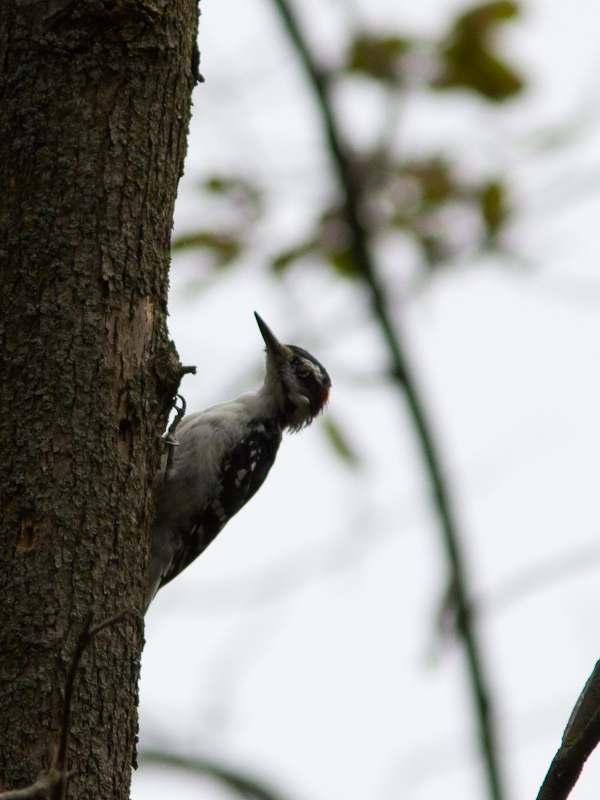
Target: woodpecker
column 224, row 455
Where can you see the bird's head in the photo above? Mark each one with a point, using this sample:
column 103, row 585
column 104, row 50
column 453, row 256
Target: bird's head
column 298, row 382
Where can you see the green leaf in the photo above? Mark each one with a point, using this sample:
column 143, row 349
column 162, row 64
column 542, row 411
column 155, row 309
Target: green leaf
column 343, row 262
column 433, row 249
column 470, row 66
column 217, row 184
column 225, row 247
column 333, row 241
column 285, row 260
column 494, row 207
column 239, row 191
column 434, row 177
column 339, row 441
column 377, row 57
column 481, row 18
column 468, row 57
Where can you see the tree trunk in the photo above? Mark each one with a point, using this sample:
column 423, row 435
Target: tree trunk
column 94, row 110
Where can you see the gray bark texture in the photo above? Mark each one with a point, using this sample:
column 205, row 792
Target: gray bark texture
column 95, row 102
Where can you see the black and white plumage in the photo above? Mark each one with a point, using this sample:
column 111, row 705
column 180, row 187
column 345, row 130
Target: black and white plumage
column 224, row 455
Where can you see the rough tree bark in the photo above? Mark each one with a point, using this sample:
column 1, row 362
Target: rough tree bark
column 94, row 110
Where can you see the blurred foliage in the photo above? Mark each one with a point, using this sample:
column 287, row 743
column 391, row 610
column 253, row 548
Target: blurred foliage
column 224, row 247
column 339, row 441
column 330, row 243
column 468, row 60
column 424, row 199
column 238, row 783
column 427, row 199
column 464, row 58
column 446, row 214
column 494, row 208
column 377, row 57
column 238, row 203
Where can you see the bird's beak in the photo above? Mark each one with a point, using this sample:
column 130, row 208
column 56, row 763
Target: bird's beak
column 274, row 347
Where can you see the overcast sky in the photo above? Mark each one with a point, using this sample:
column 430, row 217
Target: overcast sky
column 302, row 645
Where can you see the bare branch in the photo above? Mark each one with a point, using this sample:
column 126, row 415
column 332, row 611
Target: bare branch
column 580, row 738
column 402, row 375
column 244, row 785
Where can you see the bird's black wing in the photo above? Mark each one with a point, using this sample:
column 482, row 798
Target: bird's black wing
column 243, row 471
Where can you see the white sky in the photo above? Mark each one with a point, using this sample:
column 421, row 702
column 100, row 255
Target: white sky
column 302, row 646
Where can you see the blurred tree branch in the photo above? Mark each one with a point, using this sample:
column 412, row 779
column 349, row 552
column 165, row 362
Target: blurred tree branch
column 402, row 376
column 241, row 784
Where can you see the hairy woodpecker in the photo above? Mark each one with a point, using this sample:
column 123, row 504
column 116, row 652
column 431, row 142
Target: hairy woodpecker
column 224, row 455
